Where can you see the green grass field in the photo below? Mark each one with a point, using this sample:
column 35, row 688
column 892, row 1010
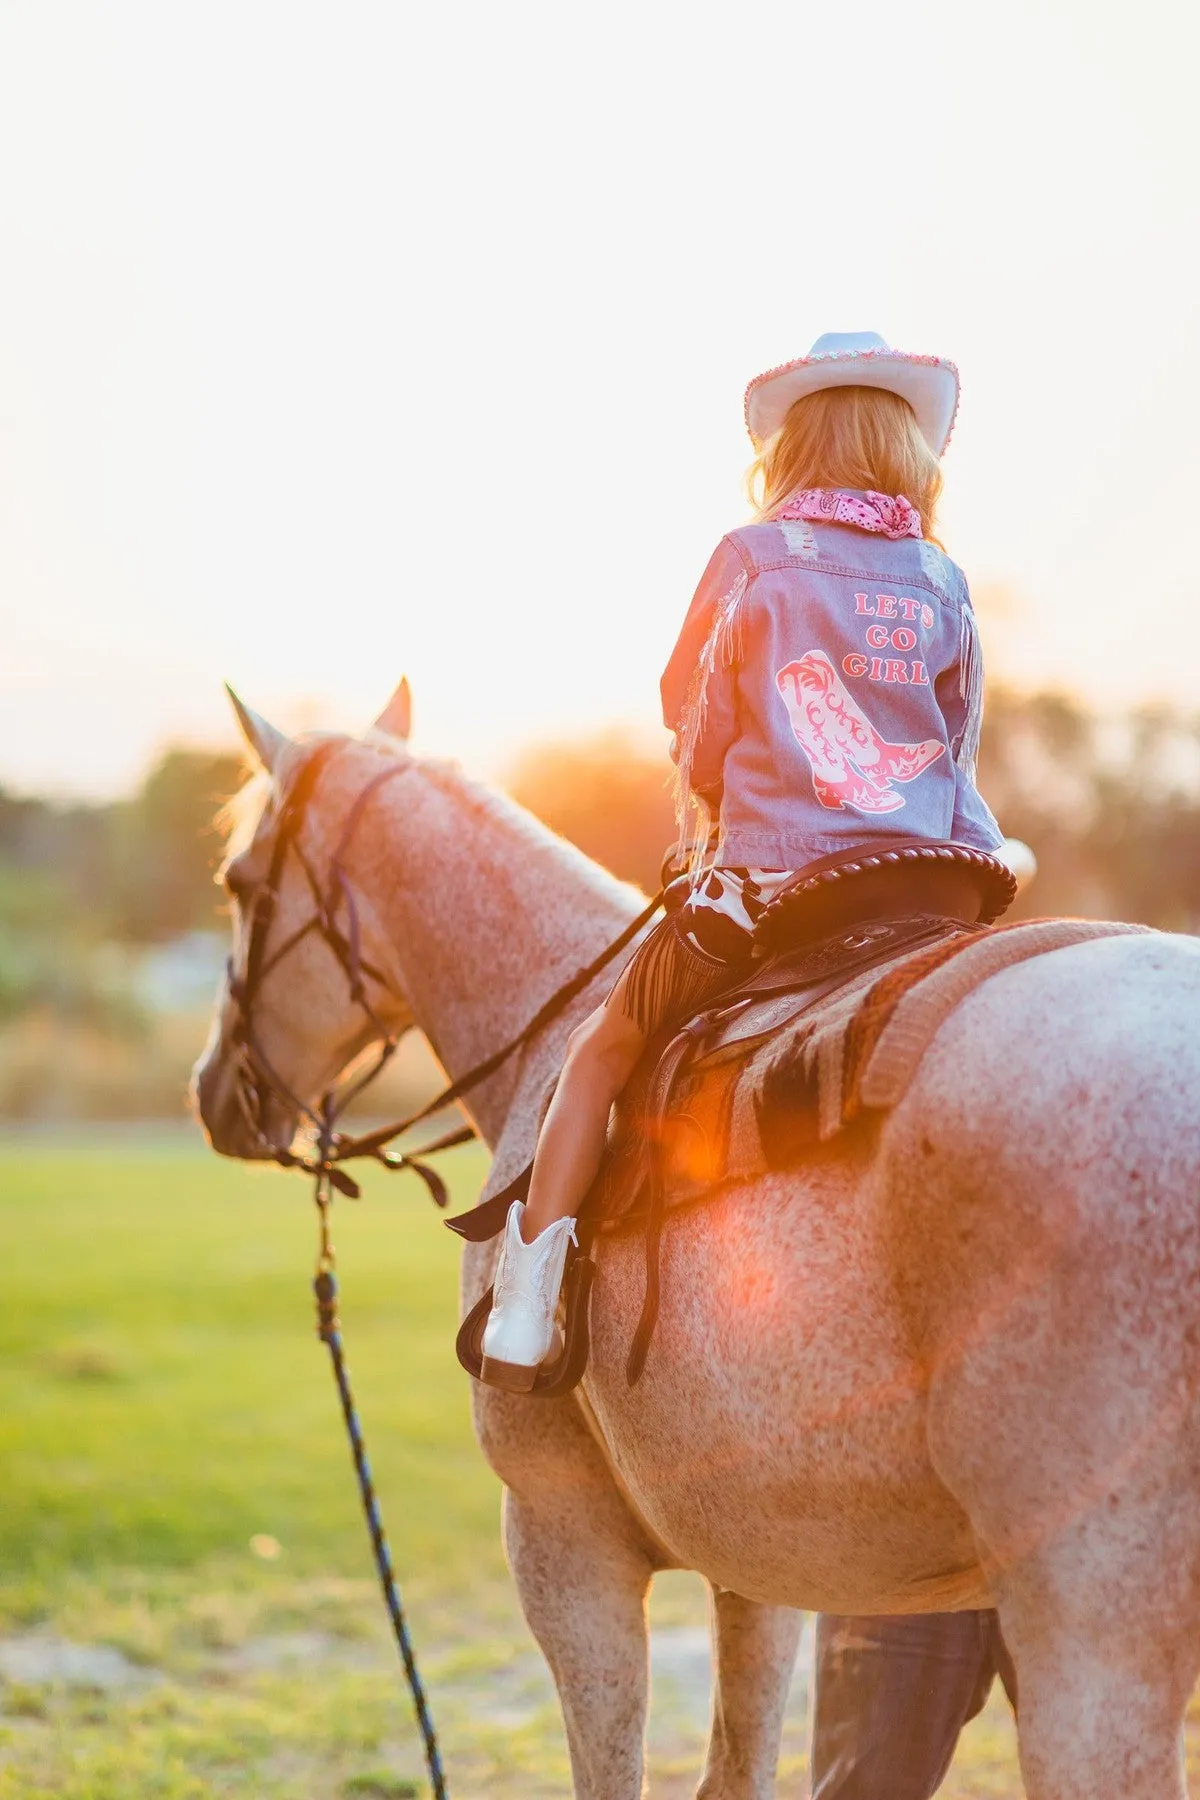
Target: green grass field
column 167, row 1415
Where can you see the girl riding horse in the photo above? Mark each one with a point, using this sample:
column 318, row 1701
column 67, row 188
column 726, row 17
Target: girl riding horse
column 825, row 694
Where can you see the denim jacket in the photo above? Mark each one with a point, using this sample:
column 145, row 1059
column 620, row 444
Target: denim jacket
column 827, row 690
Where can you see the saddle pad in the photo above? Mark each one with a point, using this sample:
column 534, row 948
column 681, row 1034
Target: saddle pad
column 902, row 1026
column 764, row 1104
column 780, row 990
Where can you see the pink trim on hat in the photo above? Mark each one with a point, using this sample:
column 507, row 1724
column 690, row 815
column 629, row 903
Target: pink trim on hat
column 869, row 355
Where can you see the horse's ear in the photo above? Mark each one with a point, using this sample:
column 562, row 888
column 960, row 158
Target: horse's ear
column 396, row 717
column 266, row 742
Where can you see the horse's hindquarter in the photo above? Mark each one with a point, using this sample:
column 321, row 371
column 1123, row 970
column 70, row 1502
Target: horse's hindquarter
column 777, row 1439
column 1045, row 1170
column 959, row 1328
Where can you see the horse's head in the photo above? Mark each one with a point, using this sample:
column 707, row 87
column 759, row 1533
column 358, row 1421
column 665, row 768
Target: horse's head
column 311, row 983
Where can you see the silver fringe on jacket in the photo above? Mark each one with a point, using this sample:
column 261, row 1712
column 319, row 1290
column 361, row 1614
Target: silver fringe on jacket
column 721, row 650
column 970, row 686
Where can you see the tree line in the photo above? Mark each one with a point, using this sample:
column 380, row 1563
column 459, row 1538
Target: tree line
column 1112, row 809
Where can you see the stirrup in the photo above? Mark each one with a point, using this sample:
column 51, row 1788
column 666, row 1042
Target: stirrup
column 517, row 1378
column 552, row 1378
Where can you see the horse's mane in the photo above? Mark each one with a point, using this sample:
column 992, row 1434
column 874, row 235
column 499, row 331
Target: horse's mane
column 239, row 818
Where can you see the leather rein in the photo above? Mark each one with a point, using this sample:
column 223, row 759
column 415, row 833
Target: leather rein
column 257, row 1075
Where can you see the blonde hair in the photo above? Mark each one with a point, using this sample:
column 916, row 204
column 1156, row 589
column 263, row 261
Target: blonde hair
column 848, row 437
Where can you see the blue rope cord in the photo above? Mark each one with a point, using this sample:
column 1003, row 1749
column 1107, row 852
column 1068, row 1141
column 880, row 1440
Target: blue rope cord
column 329, row 1331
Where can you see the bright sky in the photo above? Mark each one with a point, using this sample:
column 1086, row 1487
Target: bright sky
column 344, row 339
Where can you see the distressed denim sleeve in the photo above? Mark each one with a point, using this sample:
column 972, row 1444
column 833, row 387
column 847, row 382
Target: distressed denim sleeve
column 960, row 695
column 697, row 684
column 960, row 689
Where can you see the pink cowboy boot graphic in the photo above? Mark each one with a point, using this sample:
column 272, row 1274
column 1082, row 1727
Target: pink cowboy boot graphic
column 852, row 765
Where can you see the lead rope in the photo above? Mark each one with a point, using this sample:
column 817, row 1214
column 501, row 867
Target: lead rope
column 328, row 1178
column 329, row 1331
column 331, row 1148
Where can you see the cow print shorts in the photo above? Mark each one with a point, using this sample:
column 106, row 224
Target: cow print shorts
column 697, row 949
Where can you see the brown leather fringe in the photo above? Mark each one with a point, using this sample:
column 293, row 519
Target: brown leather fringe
column 667, row 979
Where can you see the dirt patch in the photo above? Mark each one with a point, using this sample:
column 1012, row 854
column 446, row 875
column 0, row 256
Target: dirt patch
column 38, row 1659
column 292, row 1651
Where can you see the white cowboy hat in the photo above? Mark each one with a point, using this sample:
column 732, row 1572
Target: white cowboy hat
column 858, row 359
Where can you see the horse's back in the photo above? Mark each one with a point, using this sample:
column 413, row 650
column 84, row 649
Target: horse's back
column 1068, row 1089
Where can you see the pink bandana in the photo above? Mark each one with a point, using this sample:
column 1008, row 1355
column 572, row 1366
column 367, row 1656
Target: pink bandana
column 890, row 514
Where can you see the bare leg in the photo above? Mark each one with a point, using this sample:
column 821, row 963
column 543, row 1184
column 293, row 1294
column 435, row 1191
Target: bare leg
column 519, row 1332
column 600, row 1058
column 665, row 974
column 585, row 1603
column 755, row 1654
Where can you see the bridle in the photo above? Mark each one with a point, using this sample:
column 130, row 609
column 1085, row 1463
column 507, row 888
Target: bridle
column 257, row 1076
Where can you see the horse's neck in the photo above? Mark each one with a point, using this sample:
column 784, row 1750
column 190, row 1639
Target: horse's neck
column 487, row 913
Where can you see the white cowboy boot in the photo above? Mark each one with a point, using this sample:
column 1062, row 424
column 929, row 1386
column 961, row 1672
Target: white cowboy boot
column 520, row 1327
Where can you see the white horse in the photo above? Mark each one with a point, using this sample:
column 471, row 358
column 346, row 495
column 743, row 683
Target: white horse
column 952, row 1361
